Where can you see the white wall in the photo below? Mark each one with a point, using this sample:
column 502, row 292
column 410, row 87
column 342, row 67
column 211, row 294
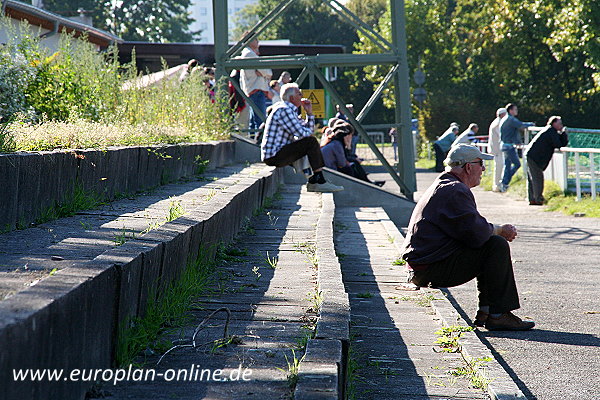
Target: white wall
column 202, row 12
column 51, row 43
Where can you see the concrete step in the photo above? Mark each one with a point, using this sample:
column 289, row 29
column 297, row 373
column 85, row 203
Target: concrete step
column 66, row 295
column 270, row 313
column 29, row 255
column 393, row 331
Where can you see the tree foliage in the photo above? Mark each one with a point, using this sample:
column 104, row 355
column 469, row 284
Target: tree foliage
column 480, row 55
column 143, row 20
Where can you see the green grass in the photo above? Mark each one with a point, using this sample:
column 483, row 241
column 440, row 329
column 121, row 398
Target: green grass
column 166, row 315
column 424, row 163
column 556, row 199
column 569, row 205
column 79, row 199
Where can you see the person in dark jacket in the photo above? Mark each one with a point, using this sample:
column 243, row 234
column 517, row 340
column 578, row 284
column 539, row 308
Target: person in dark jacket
column 448, row 243
column 539, row 153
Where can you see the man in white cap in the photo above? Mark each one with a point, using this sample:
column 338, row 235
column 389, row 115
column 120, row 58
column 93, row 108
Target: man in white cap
column 449, row 243
column 495, row 148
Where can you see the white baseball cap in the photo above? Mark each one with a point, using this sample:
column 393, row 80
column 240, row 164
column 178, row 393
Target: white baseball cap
column 463, row 153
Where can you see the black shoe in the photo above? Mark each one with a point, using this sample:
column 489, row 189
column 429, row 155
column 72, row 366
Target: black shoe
column 508, row 322
column 379, row 183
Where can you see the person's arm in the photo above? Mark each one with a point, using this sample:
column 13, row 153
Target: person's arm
column 294, row 125
column 458, row 217
column 340, row 155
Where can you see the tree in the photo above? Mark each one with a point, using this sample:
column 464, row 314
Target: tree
column 143, row 20
column 479, row 55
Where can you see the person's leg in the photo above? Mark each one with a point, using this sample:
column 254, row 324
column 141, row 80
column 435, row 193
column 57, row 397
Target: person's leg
column 440, row 155
column 498, row 162
column 242, row 119
column 307, row 146
column 259, row 100
column 490, row 264
column 354, row 143
column 535, row 176
column 511, row 163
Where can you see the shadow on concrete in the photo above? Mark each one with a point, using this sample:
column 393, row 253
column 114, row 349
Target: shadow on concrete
column 376, row 343
column 482, row 335
column 268, row 327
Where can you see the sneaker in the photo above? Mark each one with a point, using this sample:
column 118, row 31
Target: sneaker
column 536, row 203
column 323, row 187
column 502, row 188
column 480, row 318
column 508, row 322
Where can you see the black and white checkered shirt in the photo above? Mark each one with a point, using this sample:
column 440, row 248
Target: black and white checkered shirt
column 283, row 127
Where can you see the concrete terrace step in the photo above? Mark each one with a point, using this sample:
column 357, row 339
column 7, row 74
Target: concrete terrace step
column 269, row 312
column 29, row 255
column 88, row 284
column 392, row 330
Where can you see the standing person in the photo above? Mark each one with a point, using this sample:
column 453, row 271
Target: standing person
column 509, row 134
column 344, row 117
column 237, row 102
column 443, row 144
column 279, row 146
column 467, row 136
column 539, row 153
column 255, row 83
column 274, row 88
column 392, row 134
column 284, row 78
column 448, row 243
column 495, row 147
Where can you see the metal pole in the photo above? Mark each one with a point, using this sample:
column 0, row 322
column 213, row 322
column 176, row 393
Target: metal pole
column 258, row 28
column 371, row 102
column 221, row 37
column 338, row 99
column 406, row 163
column 592, row 177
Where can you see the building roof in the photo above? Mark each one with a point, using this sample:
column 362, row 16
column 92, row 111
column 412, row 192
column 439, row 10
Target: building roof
column 57, row 23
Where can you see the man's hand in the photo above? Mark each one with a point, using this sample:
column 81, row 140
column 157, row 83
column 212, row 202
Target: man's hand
column 508, row 232
column 307, row 105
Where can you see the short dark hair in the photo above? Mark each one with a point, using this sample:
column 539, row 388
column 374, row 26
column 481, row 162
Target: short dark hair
column 510, row 106
column 553, row 119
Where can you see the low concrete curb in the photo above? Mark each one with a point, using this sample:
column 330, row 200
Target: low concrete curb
column 322, row 372
column 70, row 320
column 501, row 386
column 34, row 182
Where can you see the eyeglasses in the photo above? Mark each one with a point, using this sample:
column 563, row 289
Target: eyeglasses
column 480, row 162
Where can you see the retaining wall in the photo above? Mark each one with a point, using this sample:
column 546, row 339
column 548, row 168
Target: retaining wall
column 33, row 182
column 70, row 320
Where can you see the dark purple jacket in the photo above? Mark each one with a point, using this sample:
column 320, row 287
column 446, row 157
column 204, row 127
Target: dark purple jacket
column 444, row 220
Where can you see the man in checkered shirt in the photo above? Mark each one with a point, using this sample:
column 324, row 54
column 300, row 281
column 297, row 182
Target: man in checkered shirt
column 288, row 138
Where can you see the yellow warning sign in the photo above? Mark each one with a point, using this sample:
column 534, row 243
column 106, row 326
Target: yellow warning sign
column 317, row 98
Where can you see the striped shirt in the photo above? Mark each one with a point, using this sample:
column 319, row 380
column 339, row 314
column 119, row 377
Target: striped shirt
column 283, row 127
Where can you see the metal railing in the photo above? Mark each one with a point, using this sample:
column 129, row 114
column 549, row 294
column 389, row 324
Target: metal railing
column 578, row 168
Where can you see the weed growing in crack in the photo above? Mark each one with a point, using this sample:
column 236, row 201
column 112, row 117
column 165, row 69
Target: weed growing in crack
column 256, row 272
column 271, row 261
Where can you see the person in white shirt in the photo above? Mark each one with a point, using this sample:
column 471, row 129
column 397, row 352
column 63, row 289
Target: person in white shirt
column 467, row 136
column 255, row 83
column 495, row 148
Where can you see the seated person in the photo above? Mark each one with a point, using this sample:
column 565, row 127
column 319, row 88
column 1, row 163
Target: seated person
column 287, row 138
column 335, row 157
column 449, row 243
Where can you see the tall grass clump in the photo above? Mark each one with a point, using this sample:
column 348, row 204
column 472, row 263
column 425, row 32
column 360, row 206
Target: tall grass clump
column 77, row 97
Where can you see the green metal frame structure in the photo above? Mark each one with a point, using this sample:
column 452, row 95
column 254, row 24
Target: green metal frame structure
column 392, row 54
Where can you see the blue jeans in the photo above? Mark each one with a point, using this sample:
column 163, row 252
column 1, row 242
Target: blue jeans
column 511, row 162
column 260, row 100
